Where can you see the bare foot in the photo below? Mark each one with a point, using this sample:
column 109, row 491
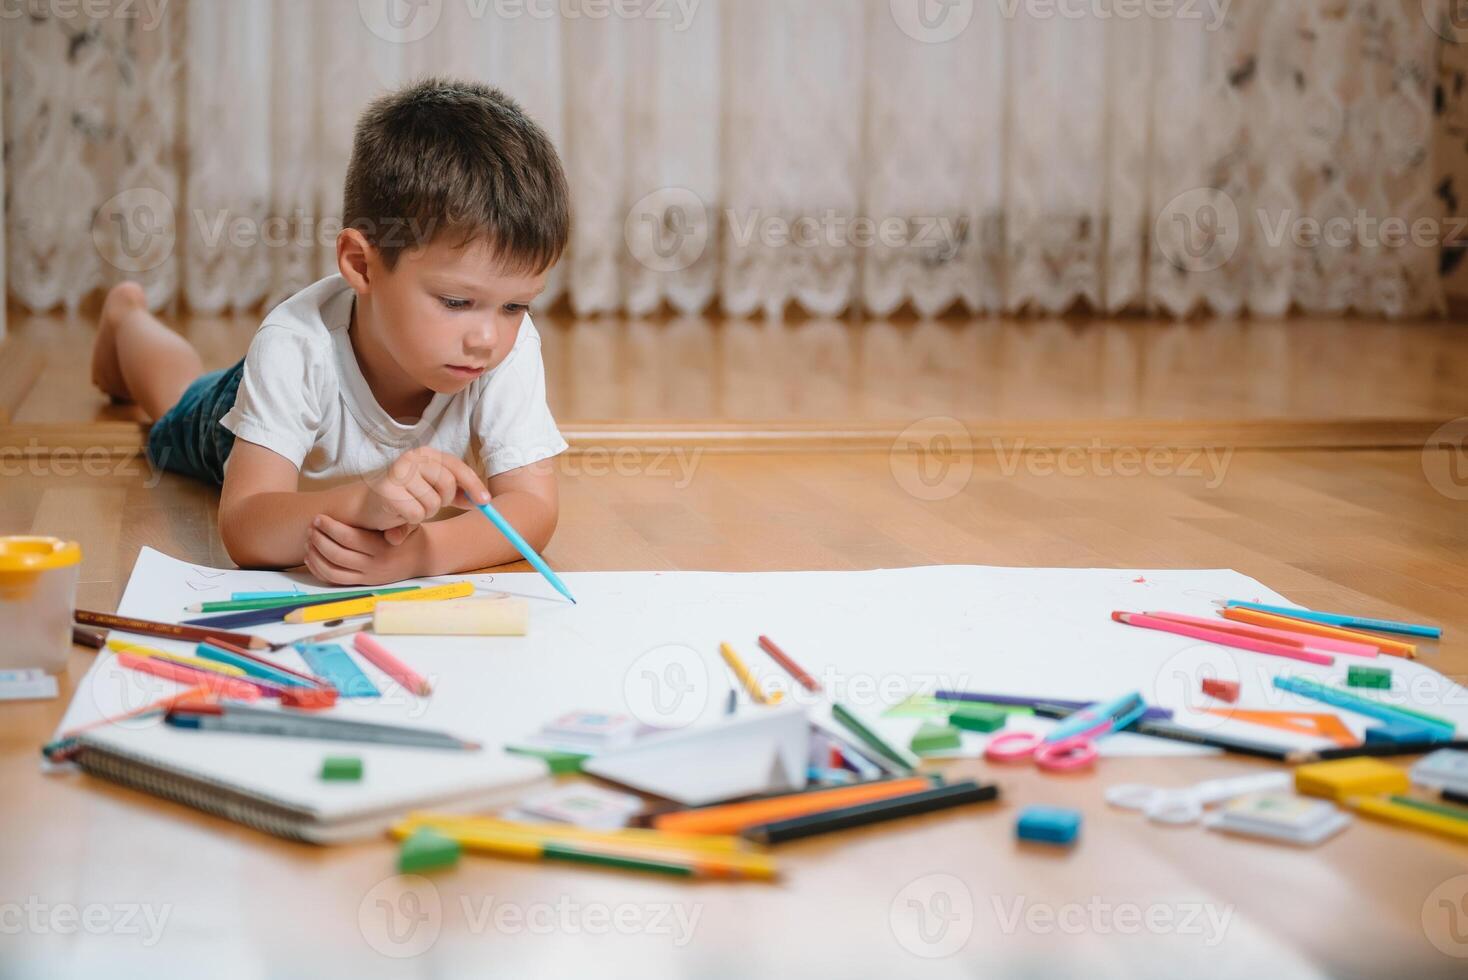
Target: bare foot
column 122, row 299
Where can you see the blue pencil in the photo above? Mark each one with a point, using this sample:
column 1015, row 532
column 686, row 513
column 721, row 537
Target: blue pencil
column 1346, row 622
column 523, row 546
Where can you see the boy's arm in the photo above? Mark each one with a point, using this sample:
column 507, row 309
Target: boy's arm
column 528, row 497
column 263, row 518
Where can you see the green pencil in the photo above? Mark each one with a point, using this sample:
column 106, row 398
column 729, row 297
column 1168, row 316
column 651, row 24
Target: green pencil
column 905, row 760
column 244, row 605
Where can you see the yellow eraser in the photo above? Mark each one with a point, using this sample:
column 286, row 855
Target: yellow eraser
column 1341, row 778
column 455, row 617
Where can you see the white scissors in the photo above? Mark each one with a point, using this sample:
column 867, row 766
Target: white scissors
column 1185, row 805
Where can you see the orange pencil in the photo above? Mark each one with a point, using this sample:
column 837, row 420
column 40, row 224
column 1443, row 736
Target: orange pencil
column 791, row 667
column 733, row 817
column 1393, row 647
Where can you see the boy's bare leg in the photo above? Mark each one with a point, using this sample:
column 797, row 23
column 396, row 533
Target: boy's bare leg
column 136, row 358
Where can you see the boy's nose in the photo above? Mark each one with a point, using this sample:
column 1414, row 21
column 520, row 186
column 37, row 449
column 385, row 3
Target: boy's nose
column 480, row 341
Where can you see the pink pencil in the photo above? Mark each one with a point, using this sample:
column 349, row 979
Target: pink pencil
column 378, row 655
column 225, row 687
column 1293, row 651
column 1268, row 633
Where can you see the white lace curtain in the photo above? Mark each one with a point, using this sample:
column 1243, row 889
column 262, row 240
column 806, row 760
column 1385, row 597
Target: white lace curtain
column 751, row 156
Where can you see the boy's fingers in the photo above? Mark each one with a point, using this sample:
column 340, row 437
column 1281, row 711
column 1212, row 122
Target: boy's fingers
column 444, row 486
column 335, row 553
column 352, row 538
column 427, row 496
column 468, row 481
column 326, row 571
column 397, row 535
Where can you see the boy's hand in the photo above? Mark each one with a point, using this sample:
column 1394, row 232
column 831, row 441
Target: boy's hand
column 340, row 554
column 416, row 486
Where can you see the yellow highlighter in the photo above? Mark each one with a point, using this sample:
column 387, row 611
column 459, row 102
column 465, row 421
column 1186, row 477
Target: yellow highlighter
column 745, row 677
column 198, row 663
column 366, row 604
column 1392, row 811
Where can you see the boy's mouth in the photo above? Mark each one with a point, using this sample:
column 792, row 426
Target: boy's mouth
column 463, row 371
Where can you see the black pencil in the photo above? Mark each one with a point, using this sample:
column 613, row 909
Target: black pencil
column 912, row 804
column 1375, row 750
column 1173, row 732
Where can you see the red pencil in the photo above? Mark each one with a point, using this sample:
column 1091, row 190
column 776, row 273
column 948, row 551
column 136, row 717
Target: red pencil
column 791, row 667
column 377, row 655
column 1294, row 651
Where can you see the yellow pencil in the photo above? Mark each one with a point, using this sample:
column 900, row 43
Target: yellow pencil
column 198, row 663
column 645, row 837
column 365, row 605
column 745, row 677
column 1384, row 809
column 637, row 857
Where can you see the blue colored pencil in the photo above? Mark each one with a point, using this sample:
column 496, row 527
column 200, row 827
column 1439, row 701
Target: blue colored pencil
column 1345, row 622
column 241, row 596
column 523, row 546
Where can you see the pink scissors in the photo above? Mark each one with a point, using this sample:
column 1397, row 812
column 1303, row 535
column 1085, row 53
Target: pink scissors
column 1072, row 745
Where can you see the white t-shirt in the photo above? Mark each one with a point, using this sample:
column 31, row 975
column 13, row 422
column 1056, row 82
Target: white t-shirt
column 303, row 396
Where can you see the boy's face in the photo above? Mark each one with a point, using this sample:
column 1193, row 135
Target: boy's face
column 449, row 313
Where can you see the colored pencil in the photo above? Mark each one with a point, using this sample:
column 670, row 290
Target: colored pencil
column 1012, row 701
column 95, row 639
column 908, row 805
column 171, row 631
column 197, row 663
column 335, row 633
column 1270, row 634
column 365, row 605
column 238, row 596
column 1393, row 647
column 1173, row 732
column 627, row 857
column 378, row 655
column 523, row 546
column 641, row 837
column 265, row 721
column 1380, row 750
column 791, row 667
column 1409, row 816
column 260, row 617
column 240, row 652
column 1294, row 651
column 749, row 681
column 731, row 818
column 904, row 759
column 251, row 667
column 1339, row 698
column 1345, row 622
column 1432, row 806
column 64, row 745
column 292, row 598
column 217, row 684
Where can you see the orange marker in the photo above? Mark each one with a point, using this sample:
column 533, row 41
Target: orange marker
column 734, row 817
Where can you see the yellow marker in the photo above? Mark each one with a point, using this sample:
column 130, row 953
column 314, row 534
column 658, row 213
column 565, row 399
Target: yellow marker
column 1384, row 809
column 198, row 663
column 365, row 605
column 745, row 677
column 643, row 837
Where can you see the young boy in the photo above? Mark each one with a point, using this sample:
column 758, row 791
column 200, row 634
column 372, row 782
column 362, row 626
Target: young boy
column 348, row 425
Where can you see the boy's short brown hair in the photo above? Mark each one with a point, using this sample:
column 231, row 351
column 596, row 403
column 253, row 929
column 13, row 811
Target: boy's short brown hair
column 460, row 158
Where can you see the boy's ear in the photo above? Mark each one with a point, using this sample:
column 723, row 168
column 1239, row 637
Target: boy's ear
column 353, row 257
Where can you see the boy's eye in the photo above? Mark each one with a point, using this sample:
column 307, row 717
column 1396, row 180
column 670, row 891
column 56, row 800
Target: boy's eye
column 515, row 309
column 455, row 304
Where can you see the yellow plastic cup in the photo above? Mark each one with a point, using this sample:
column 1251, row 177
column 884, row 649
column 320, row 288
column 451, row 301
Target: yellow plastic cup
column 37, row 599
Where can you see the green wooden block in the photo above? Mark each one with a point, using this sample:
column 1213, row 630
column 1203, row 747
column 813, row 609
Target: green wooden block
column 978, row 718
column 342, row 767
column 425, row 849
column 1379, row 677
column 935, row 738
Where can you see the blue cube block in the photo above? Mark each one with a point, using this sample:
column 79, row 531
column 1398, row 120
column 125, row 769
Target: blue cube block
column 1049, row 824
